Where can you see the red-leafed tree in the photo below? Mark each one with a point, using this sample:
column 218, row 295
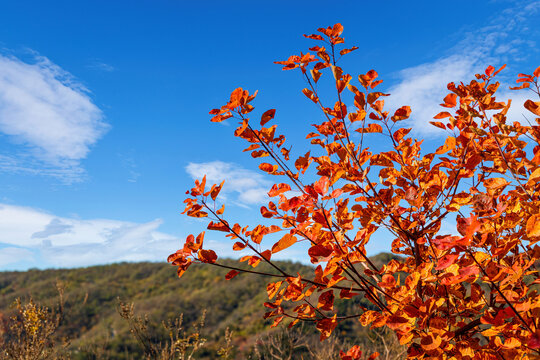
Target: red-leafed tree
column 470, row 294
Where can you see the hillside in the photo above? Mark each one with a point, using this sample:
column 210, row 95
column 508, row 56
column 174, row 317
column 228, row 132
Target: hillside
column 91, row 301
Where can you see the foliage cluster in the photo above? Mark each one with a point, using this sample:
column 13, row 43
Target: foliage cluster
column 463, row 294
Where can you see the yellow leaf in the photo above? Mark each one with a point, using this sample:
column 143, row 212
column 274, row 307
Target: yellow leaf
column 535, row 175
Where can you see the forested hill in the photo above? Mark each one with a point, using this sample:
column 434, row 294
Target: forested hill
column 91, row 301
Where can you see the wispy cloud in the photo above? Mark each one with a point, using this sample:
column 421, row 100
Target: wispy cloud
column 99, row 65
column 129, row 164
column 250, row 187
column 502, row 41
column 48, row 116
column 36, row 238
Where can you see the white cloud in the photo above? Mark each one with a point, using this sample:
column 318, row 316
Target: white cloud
column 28, row 233
column 249, row 186
column 12, row 255
column 49, row 117
column 423, row 87
column 32, row 237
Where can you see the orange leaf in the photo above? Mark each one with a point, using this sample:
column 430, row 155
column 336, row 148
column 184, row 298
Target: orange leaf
column 310, row 95
column 314, row 37
column 354, row 353
column 438, row 124
column 326, row 326
column 431, row 342
column 372, row 128
column 269, row 168
column 500, row 69
column 533, row 226
column 449, row 145
column 279, row 189
column 326, row 301
column 346, row 51
column 535, row 176
column 450, row 101
column 215, row 190
column 401, row 114
column 442, row 115
column 315, row 74
column 495, row 183
column 522, row 86
column 532, row 106
column 337, row 29
column 321, row 186
column 267, row 116
column 218, row 226
column 283, row 243
column 368, row 317
column 511, row 343
column 273, row 288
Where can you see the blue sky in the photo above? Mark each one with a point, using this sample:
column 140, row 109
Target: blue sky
column 104, row 106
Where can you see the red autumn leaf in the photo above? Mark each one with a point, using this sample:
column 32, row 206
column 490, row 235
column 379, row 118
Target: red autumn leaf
column 353, row 353
column 215, row 190
column 446, row 261
column 237, row 246
column 319, row 253
column 267, row 116
column 534, row 340
column 326, row 301
column 207, row 256
column 231, row 274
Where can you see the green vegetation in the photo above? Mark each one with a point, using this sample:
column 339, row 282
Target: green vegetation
column 99, row 322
